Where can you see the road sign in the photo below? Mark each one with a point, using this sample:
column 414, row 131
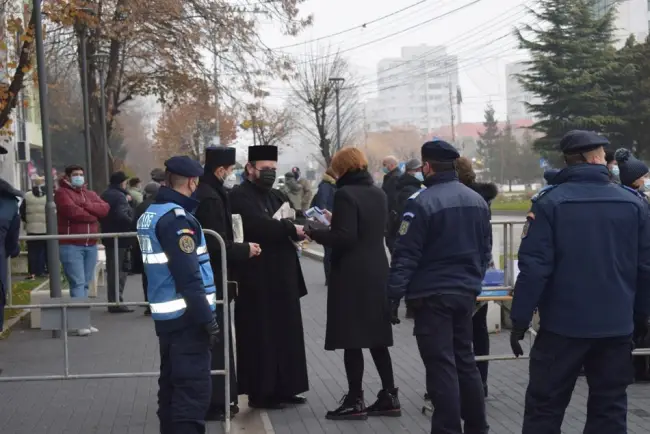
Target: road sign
column 543, row 164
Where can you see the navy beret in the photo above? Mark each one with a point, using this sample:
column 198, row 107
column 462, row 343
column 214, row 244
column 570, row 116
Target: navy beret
column 578, row 141
column 219, row 156
column 439, row 150
column 183, row 165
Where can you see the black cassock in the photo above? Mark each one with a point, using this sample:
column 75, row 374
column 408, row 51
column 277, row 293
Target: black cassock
column 214, row 213
column 271, row 360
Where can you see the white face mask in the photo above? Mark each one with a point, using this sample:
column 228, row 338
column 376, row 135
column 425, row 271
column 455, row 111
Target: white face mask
column 646, row 185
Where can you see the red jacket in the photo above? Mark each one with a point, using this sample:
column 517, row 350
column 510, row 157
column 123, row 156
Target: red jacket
column 78, row 212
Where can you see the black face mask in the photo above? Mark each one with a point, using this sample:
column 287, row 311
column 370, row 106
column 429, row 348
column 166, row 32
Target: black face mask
column 266, row 179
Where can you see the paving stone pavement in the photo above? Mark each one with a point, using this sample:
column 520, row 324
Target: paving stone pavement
column 127, row 343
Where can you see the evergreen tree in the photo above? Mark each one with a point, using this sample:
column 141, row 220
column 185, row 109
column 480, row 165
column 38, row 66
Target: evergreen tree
column 487, row 143
column 572, row 57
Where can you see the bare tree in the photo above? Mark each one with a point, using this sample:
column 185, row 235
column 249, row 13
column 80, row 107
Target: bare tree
column 317, row 107
column 269, row 125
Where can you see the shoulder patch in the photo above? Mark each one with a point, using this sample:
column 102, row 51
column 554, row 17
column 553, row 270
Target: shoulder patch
column 179, row 212
column 186, row 244
column 404, row 227
column 542, row 192
column 417, row 193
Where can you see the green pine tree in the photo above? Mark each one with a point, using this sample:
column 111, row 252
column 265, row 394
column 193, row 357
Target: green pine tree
column 572, row 58
column 487, row 143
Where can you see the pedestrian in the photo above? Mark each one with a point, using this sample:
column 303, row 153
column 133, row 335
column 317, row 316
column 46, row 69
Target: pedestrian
column 357, row 314
column 294, row 192
column 324, row 199
column 9, row 232
column 78, row 211
column 150, row 192
column 214, row 213
column 182, row 296
column 480, row 334
column 307, row 194
column 612, row 166
column 32, row 212
column 135, row 191
column 438, row 265
column 271, row 361
column 119, row 219
column 557, row 274
column 389, row 185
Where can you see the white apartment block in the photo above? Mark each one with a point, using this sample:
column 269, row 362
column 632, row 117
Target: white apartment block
column 516, row 95
column 632, row 18
column 413, row 90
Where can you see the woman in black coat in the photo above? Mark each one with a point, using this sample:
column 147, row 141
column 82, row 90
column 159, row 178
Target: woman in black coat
column 358, row 312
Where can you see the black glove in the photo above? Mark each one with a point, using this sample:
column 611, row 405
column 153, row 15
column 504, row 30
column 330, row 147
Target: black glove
column 517, row 334
column 394, row 306
column 213, row 330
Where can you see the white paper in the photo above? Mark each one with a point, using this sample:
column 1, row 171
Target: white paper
column 285, row 212
column 237, row 229
column 317, row 215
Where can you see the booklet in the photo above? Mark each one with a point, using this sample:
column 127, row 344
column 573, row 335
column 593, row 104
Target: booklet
column 315, row 213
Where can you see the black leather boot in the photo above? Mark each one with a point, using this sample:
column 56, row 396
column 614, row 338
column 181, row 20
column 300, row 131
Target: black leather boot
column 352, row 408
column 387, row 404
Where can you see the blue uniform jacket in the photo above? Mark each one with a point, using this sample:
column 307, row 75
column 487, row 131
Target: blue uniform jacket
column 9, row 232
column 183, row 267
column 444, row 242
column 584, row 259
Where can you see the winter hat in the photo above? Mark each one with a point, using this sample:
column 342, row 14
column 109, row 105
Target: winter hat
column 413, row 164
column 630, row 168
column 158, row 175
column 118, row 178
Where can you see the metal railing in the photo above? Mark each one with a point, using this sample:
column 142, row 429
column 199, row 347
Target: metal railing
column 65, row 307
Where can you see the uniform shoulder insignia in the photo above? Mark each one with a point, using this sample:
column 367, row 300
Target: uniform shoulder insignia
column 179, row 212
column 417, row 193
column 186, row 244
column 542, row 192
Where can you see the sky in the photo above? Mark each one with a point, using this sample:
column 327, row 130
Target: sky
column 478, row 31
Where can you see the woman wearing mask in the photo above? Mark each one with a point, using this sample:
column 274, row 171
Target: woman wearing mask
column 358, row 312
column 612, row 166
column 32, row 212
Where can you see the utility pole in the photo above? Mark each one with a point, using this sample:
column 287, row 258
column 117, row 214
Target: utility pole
column 86, row 110
column 451, row 102
column 338, row 81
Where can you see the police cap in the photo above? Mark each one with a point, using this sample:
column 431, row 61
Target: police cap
column 579, row 141
column 183, row 165
column 439, row 150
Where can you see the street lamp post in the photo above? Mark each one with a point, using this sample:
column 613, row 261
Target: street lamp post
column 102, row 59
column 84, row 91
column 338, row 81
column 50, row 207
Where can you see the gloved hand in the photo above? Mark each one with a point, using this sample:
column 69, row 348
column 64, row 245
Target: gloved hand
column 213, row 330
column 517, row 334
column 394, row 306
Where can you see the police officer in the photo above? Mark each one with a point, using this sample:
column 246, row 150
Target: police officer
column 182, row 298
column 438, row 264
column 584, row 263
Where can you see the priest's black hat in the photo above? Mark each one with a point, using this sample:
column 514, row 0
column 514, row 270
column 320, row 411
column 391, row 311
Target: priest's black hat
column 263, row 153
column 219, row 156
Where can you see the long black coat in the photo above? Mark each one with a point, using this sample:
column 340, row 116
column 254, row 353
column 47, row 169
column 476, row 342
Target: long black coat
column 271, row 358
column 358, row 312
column 214, row 213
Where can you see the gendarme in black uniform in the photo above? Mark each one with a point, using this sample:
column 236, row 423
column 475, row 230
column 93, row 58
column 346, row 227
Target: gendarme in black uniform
column 438, row 265
column 584, row 263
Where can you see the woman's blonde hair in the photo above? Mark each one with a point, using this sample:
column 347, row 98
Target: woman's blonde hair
column 465, row 171
column 348, row 160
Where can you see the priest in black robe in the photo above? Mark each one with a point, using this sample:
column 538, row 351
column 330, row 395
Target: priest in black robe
column 271, row 361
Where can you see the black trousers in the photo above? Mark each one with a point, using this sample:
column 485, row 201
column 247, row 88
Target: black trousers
column 443, row 330
column 115, row 287
column 37, row 257
column 145, row 284
column 481, row 340
column 327, row 263
column 555, row 363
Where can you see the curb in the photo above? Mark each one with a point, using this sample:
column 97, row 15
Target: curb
column 312, row 254
column 11, row 323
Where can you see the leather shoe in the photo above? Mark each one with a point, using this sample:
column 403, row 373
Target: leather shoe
column 293, row 400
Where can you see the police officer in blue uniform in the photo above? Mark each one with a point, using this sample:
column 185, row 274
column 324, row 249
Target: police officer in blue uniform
column 438, row 265
column 182, row 299
column 584, row 263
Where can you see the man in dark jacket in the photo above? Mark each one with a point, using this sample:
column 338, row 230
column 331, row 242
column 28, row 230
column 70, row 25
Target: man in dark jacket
column 438, row 265
column 324, row 199
column 391, row 177
column 9, row 232
column 150, row 192
column 119, row 219
column 407, row 185
column 214, row 213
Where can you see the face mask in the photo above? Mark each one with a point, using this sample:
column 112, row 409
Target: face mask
column 419, row 176
column 615, row 170
column 646, row 185
column 267, row 178
column 77, row 181
column 385, row 170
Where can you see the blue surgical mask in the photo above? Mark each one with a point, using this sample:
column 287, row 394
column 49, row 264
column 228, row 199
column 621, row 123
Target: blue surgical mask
column 646, row 185
column 385, row 170
column 77, row 181
column 615, row 170
column 419, row 176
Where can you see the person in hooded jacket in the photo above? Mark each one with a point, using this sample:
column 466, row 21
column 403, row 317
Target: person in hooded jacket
column 294, row 191
column 32, row 212
column 324, row 199
column 488, row 191
column 306, row 190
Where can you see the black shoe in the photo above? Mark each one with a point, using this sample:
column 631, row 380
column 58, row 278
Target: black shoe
column 265, row 404
column 427, row 397
column 147, row 312
column 351, row 409
column 217, row 413
column 293, row 400
column 387, row 404
column 119, row 309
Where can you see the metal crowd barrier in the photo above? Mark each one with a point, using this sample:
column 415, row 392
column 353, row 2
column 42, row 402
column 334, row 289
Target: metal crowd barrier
column 64, row 307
